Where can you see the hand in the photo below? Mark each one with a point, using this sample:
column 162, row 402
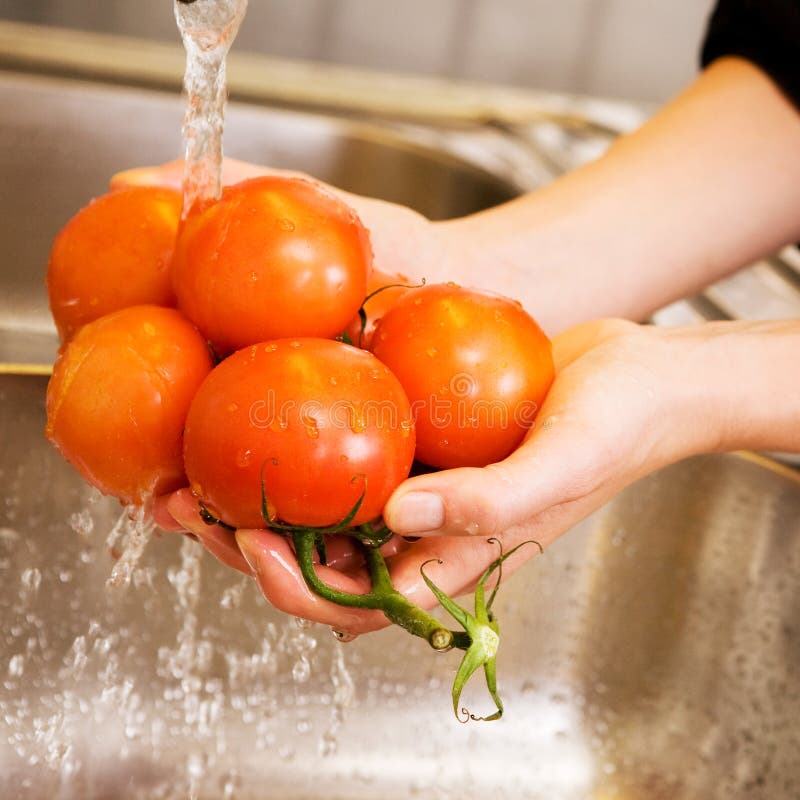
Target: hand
column 403, row 241
column 616, row 411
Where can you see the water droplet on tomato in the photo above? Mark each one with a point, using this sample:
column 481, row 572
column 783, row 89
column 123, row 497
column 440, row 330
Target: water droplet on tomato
column 417, row 301
column 343, row 459
column 286, row 225
column 431, row 351
column 149, row 329
column 294, row 343
column 357, row 423
column 270, row 348
column 243, row 458
column 253, row 277
column 375, row 374
column 332, row 381
column 312, row 431
column 233, row 407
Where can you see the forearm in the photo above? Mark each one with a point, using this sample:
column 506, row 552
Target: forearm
column 708, row 185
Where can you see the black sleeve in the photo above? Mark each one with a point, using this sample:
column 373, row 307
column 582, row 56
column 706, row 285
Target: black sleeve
column 766, row 32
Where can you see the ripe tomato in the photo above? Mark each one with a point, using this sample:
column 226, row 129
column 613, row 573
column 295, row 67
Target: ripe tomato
column 112, row 254
column 118, row 399
column 274, row 257
column 475, row 366
column 376, row 306
column 323, row 420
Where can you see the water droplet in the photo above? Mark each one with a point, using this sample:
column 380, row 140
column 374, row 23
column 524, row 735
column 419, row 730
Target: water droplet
column 253, row 277
column 357, row 422
column 149, row 329
column 233, row 407
column 270, row 348
column 82, row 523
column 16, row 666
column 301, row 671
column 343, row 459
column 312, row 430
column 286, row 225
column 244, row 458
column 431, row 351
column 333, row 381
column 343, row 637
column 31, row 579
column 417, row 301
column 294, row 343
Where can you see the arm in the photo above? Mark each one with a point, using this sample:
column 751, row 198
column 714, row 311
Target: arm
column 708, row 185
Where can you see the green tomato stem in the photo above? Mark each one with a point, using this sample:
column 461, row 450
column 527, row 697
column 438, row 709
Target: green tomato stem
column 383, row 596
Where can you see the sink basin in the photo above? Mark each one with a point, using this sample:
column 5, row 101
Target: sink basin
column 65, row 138
column 652, row 653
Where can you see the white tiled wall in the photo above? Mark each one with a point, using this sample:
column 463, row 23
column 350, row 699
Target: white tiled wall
column 642, row 49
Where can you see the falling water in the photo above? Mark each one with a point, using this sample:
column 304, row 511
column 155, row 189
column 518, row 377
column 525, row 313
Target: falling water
column 208, row 28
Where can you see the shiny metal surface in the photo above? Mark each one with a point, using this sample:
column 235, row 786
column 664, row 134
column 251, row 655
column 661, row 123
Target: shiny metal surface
column 653, row 653
column 61, row 140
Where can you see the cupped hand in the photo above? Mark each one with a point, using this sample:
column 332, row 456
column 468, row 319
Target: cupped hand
column 618, row 409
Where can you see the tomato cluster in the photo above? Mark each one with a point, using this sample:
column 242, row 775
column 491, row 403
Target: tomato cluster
column 271, row 279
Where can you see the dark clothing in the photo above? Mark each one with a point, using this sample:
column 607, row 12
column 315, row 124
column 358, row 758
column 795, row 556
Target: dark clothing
column 765, row 32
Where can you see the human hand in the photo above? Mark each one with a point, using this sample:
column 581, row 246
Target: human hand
column 403, row 241
column 619, row 408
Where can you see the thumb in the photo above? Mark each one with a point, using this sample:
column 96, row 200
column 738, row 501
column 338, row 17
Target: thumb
column 553, row 466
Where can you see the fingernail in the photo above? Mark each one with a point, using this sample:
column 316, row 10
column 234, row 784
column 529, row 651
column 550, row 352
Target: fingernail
column 248, row 551
column 419, row 511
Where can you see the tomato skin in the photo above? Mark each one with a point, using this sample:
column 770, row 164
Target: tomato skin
column 274, row 257
column 319, row 416
column 118, row 399
column 475, row 367
column 376, row 307
column 114, row 253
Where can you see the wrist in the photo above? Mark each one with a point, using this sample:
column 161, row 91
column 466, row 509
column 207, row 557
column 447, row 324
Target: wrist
column 740, row 382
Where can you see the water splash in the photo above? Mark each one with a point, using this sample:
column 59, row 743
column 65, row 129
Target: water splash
column 208, row 28
column 134, row 527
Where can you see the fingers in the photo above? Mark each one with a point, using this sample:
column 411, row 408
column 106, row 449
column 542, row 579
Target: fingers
column 275, row 567
column 182, row 505
column 273, row 562
column 162, row 517
column 551, row 467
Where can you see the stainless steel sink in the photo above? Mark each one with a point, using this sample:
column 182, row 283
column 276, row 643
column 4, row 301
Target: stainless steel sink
column 61, row 140
column 653, row 653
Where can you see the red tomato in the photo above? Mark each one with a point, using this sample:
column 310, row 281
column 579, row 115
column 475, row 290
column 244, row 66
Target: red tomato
column 376, row 306
column 118, row 399
column 322, row 419
column 475, row 367
column 112, row 254
column 274, row 257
